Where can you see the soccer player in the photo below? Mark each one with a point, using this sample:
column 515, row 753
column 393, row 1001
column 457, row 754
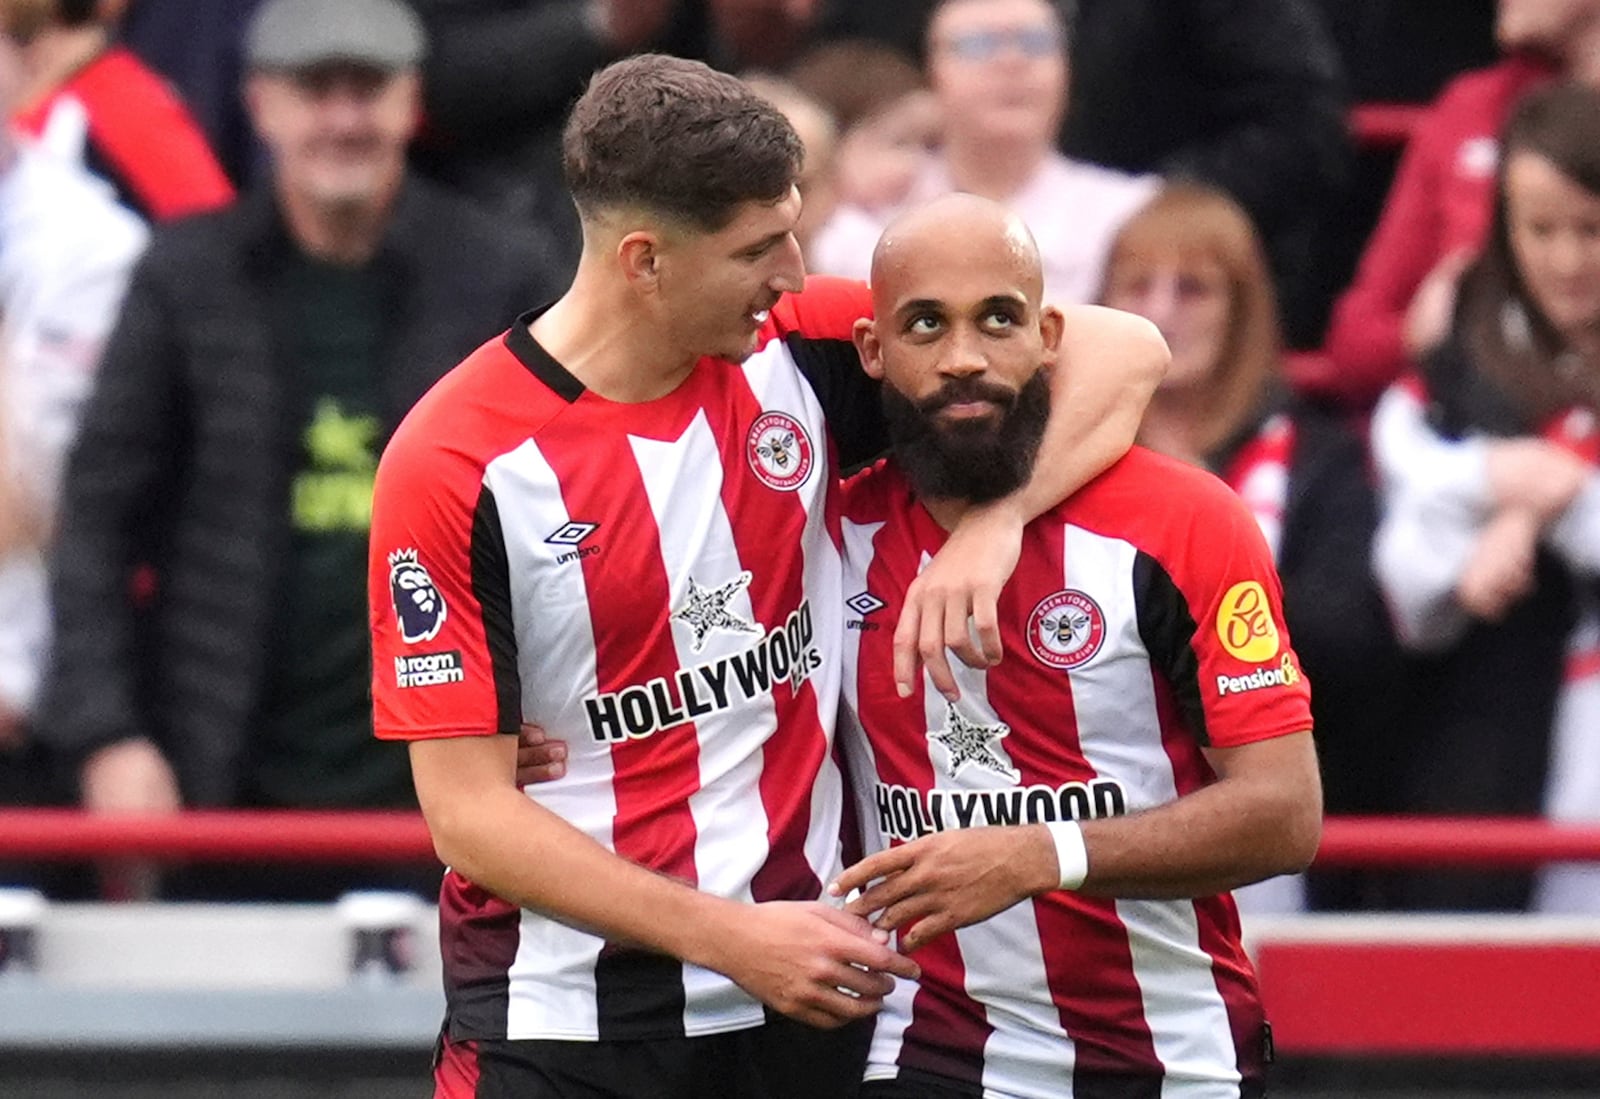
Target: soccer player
column 620, row 520
column 1076, row 818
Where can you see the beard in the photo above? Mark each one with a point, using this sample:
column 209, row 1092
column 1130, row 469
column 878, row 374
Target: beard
column 975, row 460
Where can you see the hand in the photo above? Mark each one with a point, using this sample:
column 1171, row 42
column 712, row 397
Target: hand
column 799, row 958
column 1500, row 570
column 961, row 583
column 952, row 879
column 130, row 776
column 539, row 758
column 1427, row 320
column 1532, row 475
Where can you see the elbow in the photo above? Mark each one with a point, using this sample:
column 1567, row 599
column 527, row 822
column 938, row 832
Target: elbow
column 1148, row 354
column 1297, row 827
column 1301, row 840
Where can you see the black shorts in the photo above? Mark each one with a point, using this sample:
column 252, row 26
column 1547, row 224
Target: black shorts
column 781, row 1059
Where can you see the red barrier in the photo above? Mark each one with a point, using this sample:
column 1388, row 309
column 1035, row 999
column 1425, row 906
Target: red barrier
column 1405, row 995
column 367, row 837
column 351, row 837
column 1383, row 125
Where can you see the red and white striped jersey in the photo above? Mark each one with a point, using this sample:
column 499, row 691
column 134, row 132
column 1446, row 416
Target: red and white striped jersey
column 1143, row 623
column 656, row 584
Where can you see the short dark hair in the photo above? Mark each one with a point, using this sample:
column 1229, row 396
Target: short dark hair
column 679, row 139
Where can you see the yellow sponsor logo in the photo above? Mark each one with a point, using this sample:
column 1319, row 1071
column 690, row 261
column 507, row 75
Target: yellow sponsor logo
column 1244, row 623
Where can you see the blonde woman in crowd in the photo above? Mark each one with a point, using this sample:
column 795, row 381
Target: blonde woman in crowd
column 1191, row 262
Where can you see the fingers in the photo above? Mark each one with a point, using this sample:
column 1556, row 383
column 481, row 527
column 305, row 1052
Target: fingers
column 986, row 621
column 925, row 930
column 906, row 634
column 879, row 865
column 931, row 648
column 829, row 1008
column 863, row 982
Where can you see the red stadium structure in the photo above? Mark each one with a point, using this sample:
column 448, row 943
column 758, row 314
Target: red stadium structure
column 1335, row 985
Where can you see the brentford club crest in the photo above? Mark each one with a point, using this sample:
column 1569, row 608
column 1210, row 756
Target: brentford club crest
column 1066, row 629
column 780, row 452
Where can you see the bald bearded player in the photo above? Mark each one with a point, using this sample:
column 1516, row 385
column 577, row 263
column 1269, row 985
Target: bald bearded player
column 1055, row 847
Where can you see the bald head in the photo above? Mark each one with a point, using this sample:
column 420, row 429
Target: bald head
column 930, row 246
column 961, row 340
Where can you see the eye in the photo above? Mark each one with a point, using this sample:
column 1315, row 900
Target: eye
column 999, row 319
column 923, row 324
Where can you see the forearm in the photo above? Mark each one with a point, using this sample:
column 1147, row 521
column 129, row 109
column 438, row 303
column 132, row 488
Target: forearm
column 1111, row 363
column 1215, row 839
column 525, row 854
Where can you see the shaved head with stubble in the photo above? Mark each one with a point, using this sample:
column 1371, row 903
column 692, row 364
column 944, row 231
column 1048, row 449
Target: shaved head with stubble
column 963, row 343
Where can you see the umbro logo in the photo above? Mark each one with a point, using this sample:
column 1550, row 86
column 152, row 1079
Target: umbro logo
column 569, row 537
column 572, row 533
column 863, row 604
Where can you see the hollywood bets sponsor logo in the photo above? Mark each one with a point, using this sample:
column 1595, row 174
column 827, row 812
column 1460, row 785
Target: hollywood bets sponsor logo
column 429, row 669
column 784, row 655
column 780, row 451
column 1245, row 625
column 1066, row 629
column 1284, row 675
column 907, row 813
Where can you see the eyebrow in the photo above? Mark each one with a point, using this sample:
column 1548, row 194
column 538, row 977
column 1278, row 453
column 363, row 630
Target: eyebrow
column 933, row 305
column 763, row 244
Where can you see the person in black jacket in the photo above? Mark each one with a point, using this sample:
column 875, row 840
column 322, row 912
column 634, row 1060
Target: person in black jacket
column 262, row 357
column 1191, row 262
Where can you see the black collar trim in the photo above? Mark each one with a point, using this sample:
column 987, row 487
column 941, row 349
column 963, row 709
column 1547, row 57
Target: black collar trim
column 540, row 363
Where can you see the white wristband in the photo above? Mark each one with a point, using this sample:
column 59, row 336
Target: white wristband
column 1072, row 857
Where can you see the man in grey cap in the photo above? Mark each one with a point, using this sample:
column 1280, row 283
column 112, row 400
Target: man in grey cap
column 263, row 356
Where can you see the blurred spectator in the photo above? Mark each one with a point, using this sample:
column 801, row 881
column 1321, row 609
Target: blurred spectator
column 1489, row 549
column 759, row 33
column 820, row 136
column 1398, row 309
column 197, row 46
column 264, row 354
column 855, row 79
column 500, row 78
column 1243, row 94
column 1192, row 262
column 999, row 71
column 94, row 103
column 66, row 250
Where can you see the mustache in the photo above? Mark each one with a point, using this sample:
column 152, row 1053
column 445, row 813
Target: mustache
column 966, row 390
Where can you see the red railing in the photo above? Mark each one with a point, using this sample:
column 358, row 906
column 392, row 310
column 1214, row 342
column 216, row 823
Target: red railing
column 1383, row 125
column 402, row 837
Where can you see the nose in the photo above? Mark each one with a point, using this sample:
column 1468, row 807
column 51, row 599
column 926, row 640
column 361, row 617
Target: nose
column 1157, row 302
column 964, row 353
column 789, row 277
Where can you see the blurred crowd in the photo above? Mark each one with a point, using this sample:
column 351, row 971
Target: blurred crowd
column 238, row 238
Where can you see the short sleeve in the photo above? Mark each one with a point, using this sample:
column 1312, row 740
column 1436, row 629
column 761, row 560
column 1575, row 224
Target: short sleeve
column 1211, row 617
column 443, row 646
column 817, row 325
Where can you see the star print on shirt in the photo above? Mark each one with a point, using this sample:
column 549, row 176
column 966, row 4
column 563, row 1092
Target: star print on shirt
column 707, row 609
column 967, row 743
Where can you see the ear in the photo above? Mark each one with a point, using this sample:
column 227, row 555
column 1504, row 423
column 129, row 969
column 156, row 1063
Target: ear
column 254, row 91
column 865, row 335
column 639, row 255
column 1051, row 325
